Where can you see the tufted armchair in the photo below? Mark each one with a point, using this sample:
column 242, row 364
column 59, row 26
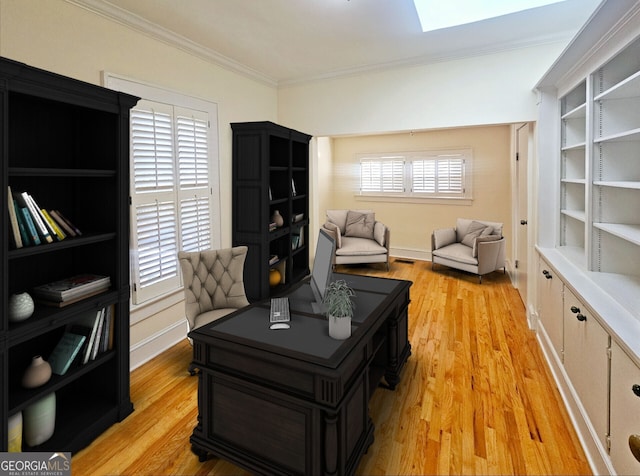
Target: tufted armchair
column 213, row 283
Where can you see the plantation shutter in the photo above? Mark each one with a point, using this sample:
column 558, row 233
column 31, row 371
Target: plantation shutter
column 442, row 176
column 382, row 175
column 170, row 196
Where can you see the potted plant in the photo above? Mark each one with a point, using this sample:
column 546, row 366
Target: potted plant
column 339, row 306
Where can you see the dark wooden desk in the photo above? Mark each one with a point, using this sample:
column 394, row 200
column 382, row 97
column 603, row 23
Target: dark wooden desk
column 295, row 401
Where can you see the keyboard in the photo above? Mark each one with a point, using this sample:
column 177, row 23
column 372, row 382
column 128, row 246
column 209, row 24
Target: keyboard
column 279, row 316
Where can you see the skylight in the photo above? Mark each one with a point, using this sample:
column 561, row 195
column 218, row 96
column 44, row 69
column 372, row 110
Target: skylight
column 437, row 14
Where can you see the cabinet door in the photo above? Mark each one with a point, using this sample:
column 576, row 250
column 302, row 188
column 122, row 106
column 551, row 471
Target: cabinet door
column 550, row 306
column 625, row 411
column 586, row 361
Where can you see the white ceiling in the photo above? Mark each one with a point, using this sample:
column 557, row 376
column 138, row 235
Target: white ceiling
column 288, row 41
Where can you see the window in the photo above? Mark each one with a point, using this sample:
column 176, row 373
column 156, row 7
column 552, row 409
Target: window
column 174, row 183
column 441, row 174
column 170, row 193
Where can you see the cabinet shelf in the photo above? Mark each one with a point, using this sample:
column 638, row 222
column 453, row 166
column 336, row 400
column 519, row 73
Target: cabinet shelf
column 577, row 112
column 628, row 88
column 575, row 214
column 53, row 172
column 576, row 146
column 629, row 135
column 618, row 184
column 69, row 242
column 630, row 233
column 574, row 181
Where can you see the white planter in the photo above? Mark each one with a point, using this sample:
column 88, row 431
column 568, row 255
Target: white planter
column 340, row 327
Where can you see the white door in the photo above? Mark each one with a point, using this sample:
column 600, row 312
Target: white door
column 521, row 245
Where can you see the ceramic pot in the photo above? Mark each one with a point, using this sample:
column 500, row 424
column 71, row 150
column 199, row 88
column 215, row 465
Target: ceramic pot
column 20, row 307
column 340, row 327
column 39, row 420
column 277, row 218
column 37, row 374
column 15, row 433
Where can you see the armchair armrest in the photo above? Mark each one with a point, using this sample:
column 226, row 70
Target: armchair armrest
column 491, row 255
column 333, row 230
column 381, row 234
column 442, row 237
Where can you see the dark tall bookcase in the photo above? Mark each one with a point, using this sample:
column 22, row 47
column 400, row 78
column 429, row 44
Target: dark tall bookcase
column 271, row 172
column 65, row 142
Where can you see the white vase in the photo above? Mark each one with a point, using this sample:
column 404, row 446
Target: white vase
column 20, row 307
column 39, row 420
column 340, row 327
column 37, row 374
column 15, row 433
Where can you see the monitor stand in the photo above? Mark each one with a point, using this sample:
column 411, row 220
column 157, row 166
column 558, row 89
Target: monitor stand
column 318, row 307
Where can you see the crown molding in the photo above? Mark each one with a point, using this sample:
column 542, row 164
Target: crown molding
column 139, row 24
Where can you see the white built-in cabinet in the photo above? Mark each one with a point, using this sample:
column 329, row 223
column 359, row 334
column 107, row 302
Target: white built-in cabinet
column 587, row 295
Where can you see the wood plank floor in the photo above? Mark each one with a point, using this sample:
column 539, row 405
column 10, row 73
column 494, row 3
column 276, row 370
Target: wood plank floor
column 475, row 396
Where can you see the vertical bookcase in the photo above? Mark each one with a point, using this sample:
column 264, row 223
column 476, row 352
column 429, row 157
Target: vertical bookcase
column 573, row 162
column 271, row 172
column 66, row 143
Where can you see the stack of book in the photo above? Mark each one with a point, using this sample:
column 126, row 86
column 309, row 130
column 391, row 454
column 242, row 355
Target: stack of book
column 70, row 290
column 32, row 225
column 83, row 341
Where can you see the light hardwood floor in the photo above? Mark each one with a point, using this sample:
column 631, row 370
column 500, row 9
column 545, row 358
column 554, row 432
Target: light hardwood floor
column 475, row 396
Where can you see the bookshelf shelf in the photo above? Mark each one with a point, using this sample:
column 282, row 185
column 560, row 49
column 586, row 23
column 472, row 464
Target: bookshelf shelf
column 73, row 158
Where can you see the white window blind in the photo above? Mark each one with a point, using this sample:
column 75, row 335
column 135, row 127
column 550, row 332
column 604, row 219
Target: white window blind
column 438, row 176
column 445, row 174
column 171, row 193
column 382, row 175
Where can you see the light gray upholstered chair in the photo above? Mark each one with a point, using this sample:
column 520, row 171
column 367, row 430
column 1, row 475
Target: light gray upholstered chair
column 473, row 245
column 213, row 284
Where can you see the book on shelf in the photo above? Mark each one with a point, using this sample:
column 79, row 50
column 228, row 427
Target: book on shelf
column 24, row 234
column 61, row 235
column 13, row 219
column 62, row 223
column 65, row 352
column 88, row 326
column 273, row 259
column 65, row 223
column 41, row 228
column 34, row 237
column 75, row 287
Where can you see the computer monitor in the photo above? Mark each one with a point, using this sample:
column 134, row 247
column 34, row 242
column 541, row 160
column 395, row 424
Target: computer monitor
column 322, row 268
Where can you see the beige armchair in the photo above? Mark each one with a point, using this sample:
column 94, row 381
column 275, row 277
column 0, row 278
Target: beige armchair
column 359, row 237
column 473, row 245
column 213, row 284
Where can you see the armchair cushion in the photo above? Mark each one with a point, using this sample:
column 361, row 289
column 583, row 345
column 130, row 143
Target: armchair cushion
column 475, row 230
column 357, row 246
column 379, row 233
column 359, row 224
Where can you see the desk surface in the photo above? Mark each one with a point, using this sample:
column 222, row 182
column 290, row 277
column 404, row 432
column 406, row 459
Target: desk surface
column 308, row 337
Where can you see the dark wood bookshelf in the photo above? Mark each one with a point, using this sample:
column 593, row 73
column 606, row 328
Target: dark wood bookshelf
column 66, row 142
column 268, row 160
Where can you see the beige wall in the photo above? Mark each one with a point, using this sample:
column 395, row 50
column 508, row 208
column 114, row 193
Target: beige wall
column 411, row 223
column 58, row 36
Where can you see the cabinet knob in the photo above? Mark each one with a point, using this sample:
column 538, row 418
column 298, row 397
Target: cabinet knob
column 575, row 310
column 523, row 222
column 547, row 274
column 634, row 446
column 636, row 389
column 581, row 317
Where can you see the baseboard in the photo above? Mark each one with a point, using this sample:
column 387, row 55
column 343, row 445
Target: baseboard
column 157, row 343
column 595, row 453
column 405, row 253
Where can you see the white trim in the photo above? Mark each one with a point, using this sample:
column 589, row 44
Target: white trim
column 155, row 344
column 152, row 30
